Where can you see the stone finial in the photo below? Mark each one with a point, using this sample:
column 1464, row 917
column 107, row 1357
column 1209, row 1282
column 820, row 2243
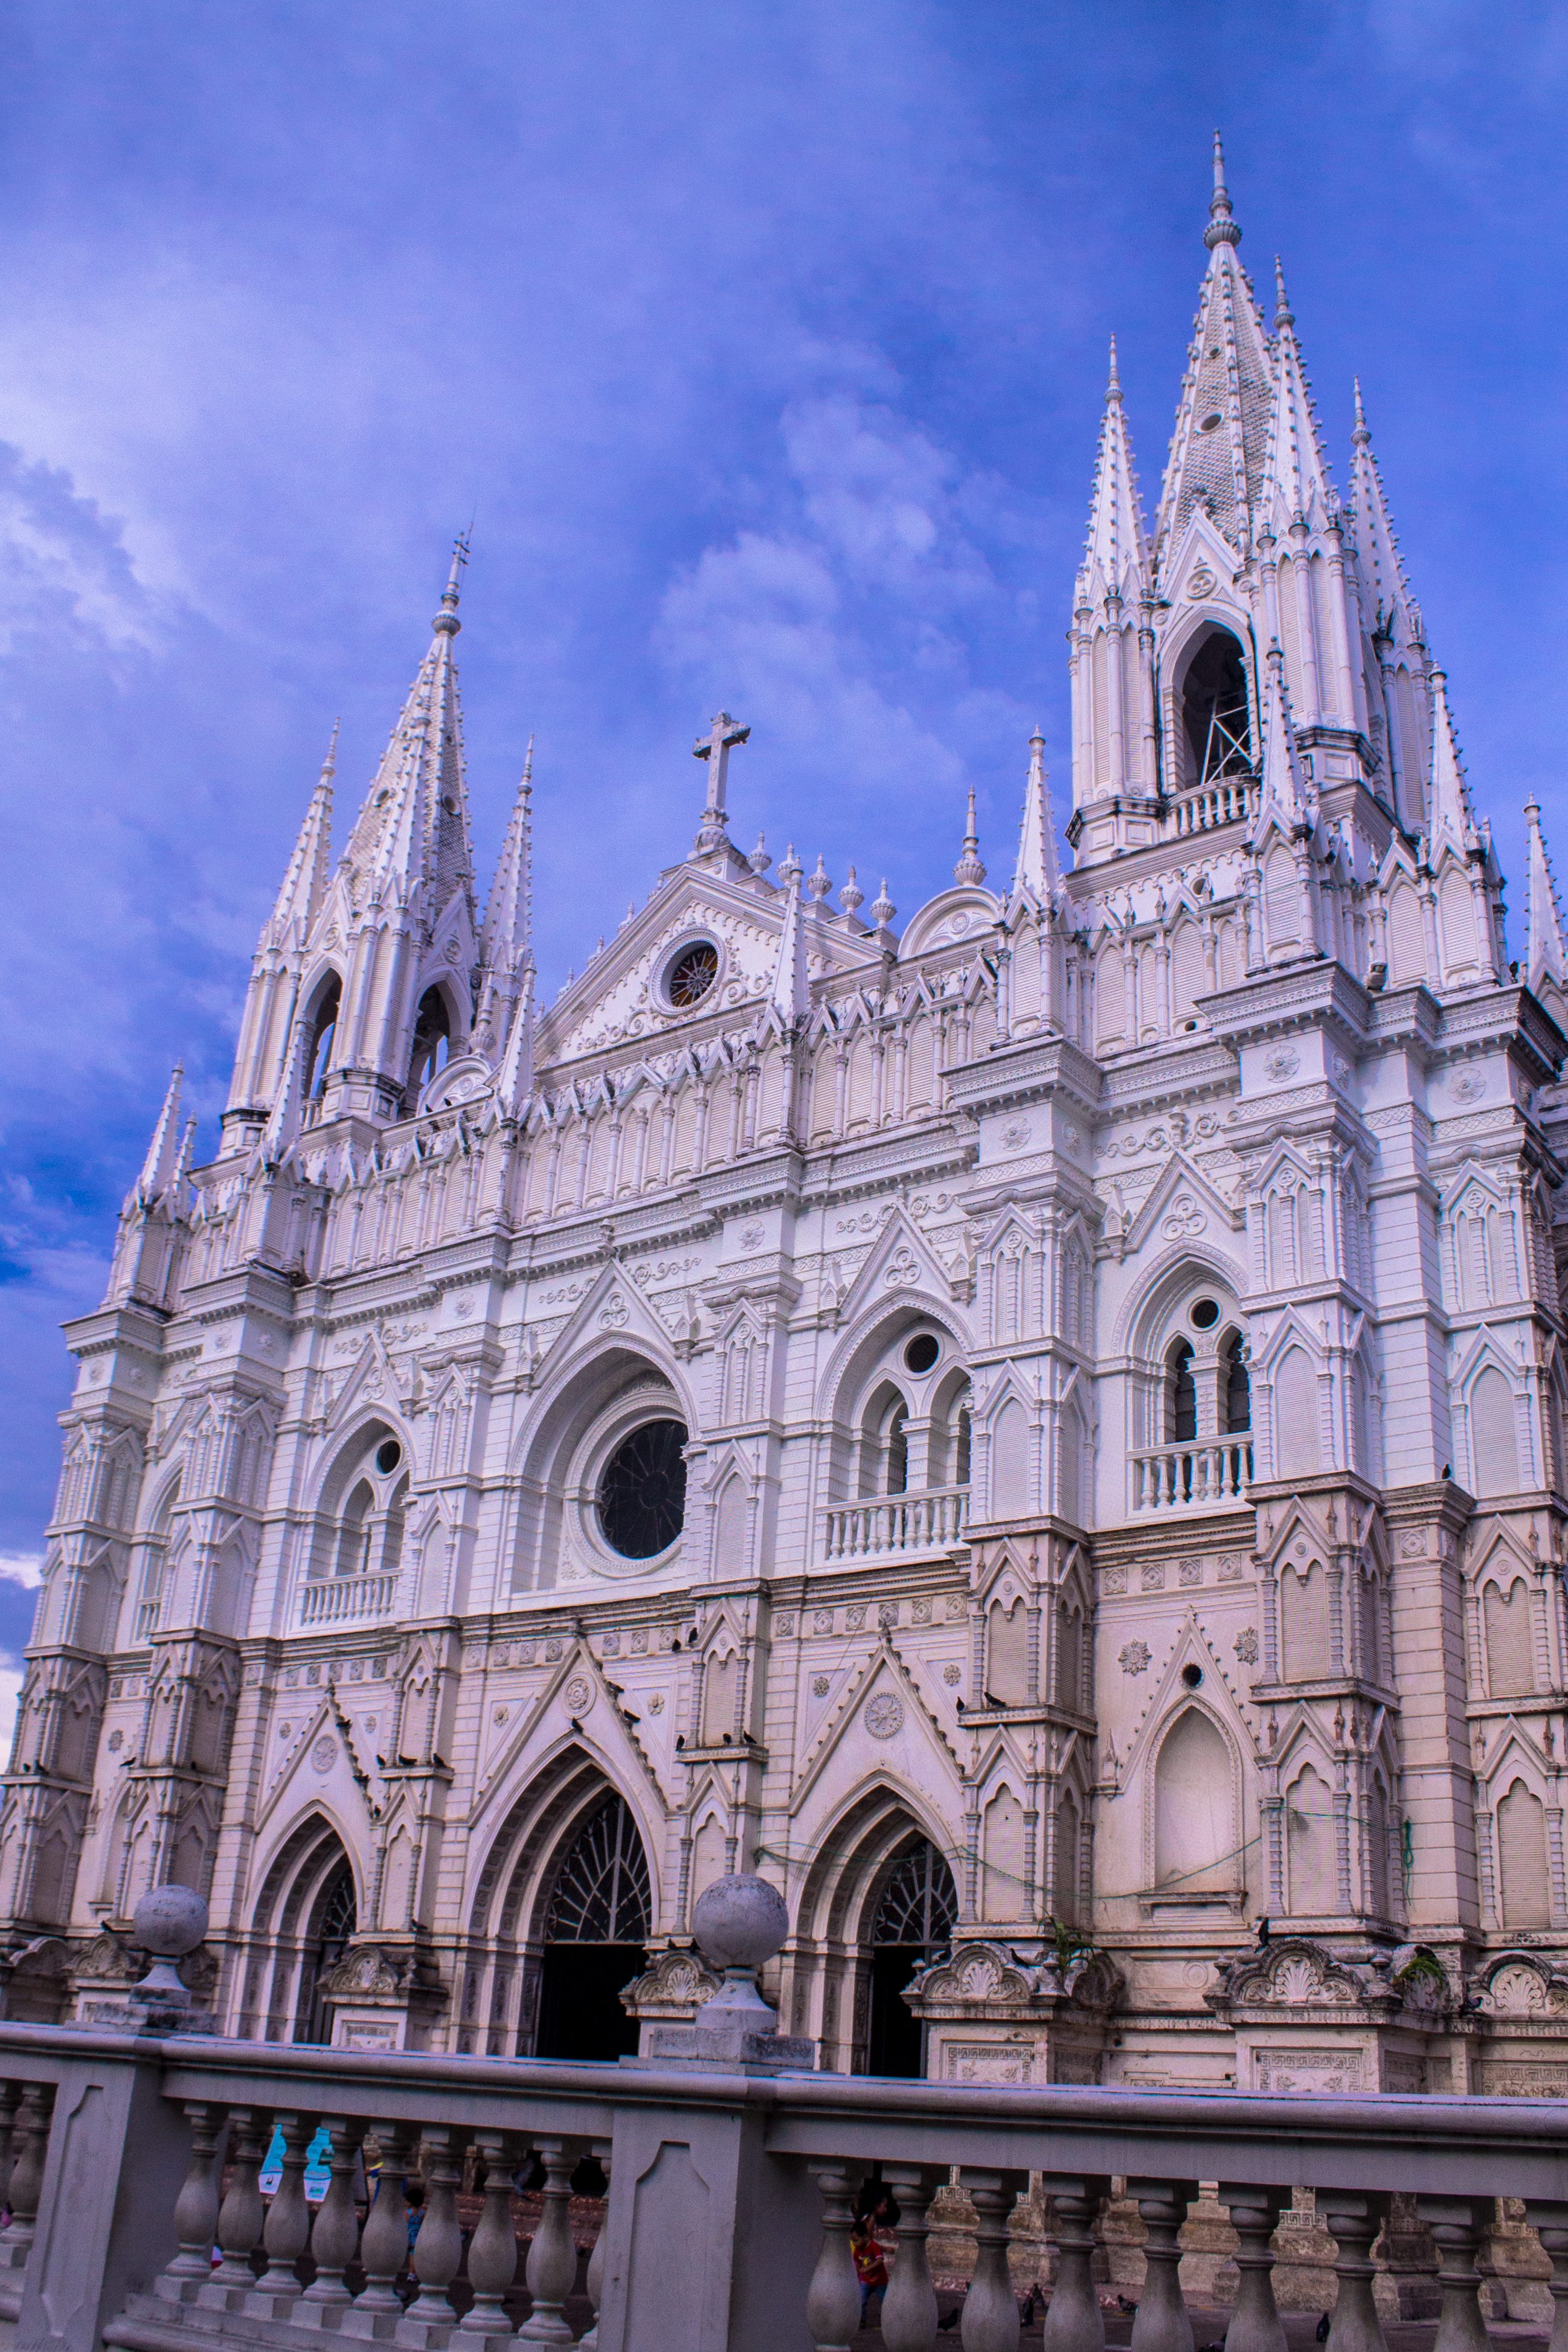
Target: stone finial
column 737, row 1924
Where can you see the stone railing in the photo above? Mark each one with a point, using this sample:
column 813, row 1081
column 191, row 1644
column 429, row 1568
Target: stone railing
column 127, row 2160
column 887, row 1525
column 340, row 1600
column 1222, row 802
column 1175, row 1478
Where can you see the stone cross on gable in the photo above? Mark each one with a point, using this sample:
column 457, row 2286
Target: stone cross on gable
column 714, row 747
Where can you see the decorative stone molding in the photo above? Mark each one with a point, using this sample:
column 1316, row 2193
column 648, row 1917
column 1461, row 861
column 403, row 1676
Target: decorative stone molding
column 998, row 2013
column 671, row 1989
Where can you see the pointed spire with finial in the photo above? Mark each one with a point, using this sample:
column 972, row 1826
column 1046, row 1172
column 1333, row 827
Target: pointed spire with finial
column 790, row 995
column 1546, row 948
column 507, row 940
column 163, row 1149
column 1036, row 873
column 1450, row 818
column 299, row 901
column 1116, row 548
column 1222, row 421
column 969, row 868
column 514, row 1079
column 1390, row 609
column 1296, row 484
column 1283, row 790
column 412, row 828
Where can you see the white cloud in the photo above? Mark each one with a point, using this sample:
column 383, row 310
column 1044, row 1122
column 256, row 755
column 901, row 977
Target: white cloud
column 24, row 1567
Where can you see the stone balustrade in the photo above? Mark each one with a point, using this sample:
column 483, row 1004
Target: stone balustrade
column 129, row 2160
column 1173, row 1479
column 889, row 1525
column 1224, row 801
column 340, row 1600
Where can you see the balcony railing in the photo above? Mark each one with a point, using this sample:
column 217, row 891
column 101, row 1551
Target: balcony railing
column 1173, row 1478
column 891, row 1524
column 128, row 2160
column 1220, row 802
column 342, row 1600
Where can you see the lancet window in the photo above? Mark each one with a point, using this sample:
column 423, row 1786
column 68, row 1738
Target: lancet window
column 1216, row 720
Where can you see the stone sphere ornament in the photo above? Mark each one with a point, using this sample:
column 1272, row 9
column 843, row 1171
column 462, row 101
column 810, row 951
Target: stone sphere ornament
column 169, row 1922
column 740, row 1922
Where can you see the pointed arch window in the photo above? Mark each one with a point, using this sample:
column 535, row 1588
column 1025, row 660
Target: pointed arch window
column 1181, row 1394
column 1236, row 1386
column 353, row 1542
column 1215, row 715
column 601, row 1895
column 432, row 1040
column 319, row 1044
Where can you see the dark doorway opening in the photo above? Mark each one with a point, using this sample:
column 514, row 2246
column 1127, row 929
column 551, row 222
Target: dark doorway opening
column 333, row 1917
column 911, row 1926
column 580, row 2012
column 596, row 1935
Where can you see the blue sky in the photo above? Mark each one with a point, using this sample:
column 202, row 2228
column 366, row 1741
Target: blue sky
column 764, row 346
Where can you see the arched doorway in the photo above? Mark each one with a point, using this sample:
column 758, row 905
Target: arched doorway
column 596, row 1926
column 335, row 1915
column 911, row 1927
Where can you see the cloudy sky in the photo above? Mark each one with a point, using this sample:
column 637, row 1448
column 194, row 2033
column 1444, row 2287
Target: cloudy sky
column 764, row 346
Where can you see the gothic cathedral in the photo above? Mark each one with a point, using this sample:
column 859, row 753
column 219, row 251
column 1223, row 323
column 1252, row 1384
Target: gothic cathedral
column 1042, row 1432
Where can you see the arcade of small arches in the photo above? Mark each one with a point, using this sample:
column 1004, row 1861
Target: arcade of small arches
column 563, row 1918
column 434, row 1038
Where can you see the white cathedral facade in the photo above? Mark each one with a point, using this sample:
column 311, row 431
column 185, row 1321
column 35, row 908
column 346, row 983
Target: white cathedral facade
column 1042, row 1432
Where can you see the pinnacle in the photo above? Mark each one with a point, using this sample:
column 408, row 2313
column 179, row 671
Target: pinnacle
column 969, row 867
column 1222, row 228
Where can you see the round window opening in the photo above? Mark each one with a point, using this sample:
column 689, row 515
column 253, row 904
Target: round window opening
column 692, row 974
column 642, row 1492
column 1205, row 1314
column 1192, row 1676
column 388, row 1456
column 922, row 1351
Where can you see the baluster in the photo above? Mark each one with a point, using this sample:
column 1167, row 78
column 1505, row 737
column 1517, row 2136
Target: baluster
column 383, row 2248
column 1353, row 2221
column 335, row 2236
column 242, row 2214
column 990, row 2322
column 1551, row 2220
column 287, row 2232
column 492, row 2249
column 1162, row 2325
column 429, row 2319
column 1074, row 2321
column 596, row 2259
column 195, row 2207
column 909, row 2306
column 833, row 2299
column 30, row 2140
column 552, row 2257
column 1255, row 2324
column 1459, row 2224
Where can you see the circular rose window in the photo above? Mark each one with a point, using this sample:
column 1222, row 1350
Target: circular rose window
column 692, row 974
column 642, row 1491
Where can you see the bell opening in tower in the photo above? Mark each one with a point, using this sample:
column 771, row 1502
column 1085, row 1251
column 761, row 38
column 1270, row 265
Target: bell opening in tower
column 1214, row 713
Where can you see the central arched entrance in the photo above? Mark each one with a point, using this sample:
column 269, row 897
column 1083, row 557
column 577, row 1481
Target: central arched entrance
column 911, row 1926
column 596, row 1926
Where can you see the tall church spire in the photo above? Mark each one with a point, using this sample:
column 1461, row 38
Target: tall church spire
column 1451, row 817
column 412, row 828
column 1221, row 422
column 163, row 1158
column 1295, row 474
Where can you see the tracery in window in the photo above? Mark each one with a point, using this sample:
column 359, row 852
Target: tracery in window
column 602, row 1894
column 642, row 1490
